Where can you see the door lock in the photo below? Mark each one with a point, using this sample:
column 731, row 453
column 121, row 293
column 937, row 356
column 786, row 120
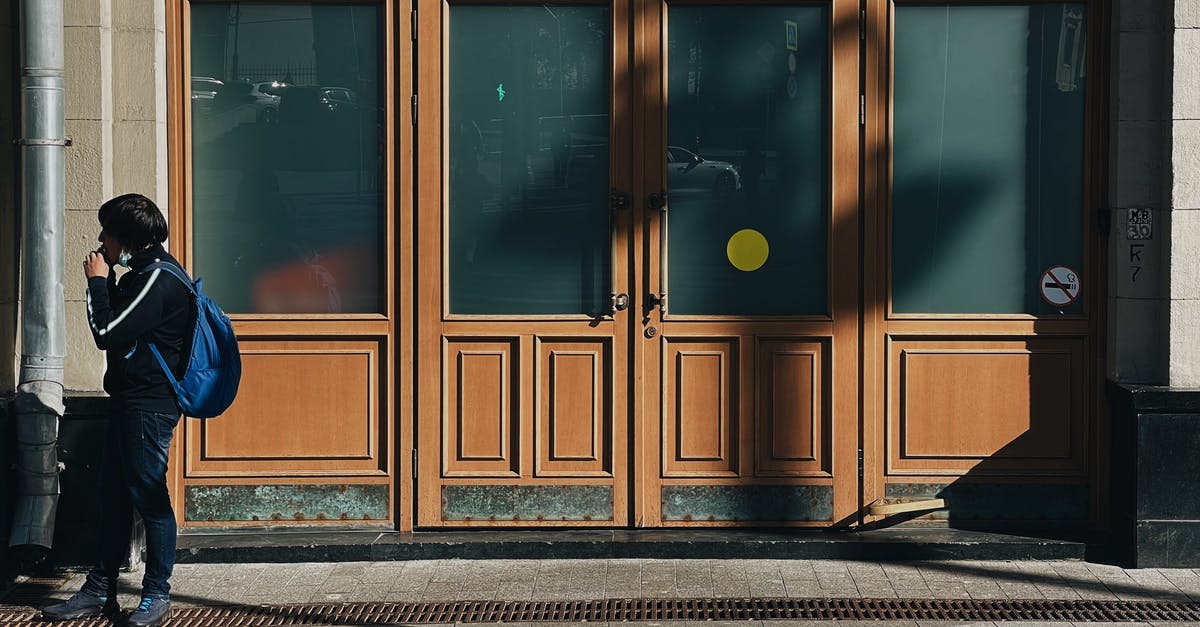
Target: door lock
column 620, row 302
column 657, row 200
column 618, row 200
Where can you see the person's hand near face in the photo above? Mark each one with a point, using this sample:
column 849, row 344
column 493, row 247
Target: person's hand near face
column 98, row 262
column 94, row 265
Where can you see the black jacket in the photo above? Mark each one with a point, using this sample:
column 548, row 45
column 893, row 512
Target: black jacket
column 144, row 307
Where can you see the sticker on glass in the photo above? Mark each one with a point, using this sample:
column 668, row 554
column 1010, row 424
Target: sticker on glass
column 1059, row 286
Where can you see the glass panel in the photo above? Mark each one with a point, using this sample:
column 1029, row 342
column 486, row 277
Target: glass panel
column 988, row 156
column 748, row 159
column 287, row 156
column 528, row 143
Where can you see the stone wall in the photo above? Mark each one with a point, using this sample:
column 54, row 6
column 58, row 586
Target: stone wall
column 1139, row 149
column 1184, row 122
column 116, row 116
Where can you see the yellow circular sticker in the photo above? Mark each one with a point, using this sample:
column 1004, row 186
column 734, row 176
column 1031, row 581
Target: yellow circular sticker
column 747, row 250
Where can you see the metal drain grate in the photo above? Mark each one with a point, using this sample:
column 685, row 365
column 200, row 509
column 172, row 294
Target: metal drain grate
column 32, row 590
column 614, row 610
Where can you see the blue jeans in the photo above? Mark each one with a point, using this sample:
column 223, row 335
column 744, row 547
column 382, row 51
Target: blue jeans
column 134, row 477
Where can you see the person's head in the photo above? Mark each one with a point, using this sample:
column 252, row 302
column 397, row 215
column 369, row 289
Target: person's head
column 129, row 223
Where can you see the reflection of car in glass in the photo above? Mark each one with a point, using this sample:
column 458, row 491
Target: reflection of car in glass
column 204, row 89
column 338, row 99
column 266, row 97
column 688, row 171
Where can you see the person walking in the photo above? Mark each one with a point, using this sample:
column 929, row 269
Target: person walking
column 143, row 308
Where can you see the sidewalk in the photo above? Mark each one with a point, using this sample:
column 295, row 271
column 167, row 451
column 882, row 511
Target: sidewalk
column 525, row 580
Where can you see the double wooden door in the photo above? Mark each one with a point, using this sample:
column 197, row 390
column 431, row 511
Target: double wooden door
column 638, row 264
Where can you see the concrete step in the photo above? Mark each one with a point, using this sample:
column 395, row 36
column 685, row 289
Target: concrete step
column 897, row 544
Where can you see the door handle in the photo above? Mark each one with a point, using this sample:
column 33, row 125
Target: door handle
column 656, row 300
column 620, row 302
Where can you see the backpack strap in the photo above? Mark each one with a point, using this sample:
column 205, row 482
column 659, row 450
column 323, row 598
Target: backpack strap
column 163, row 364
column 175, row 271
column 178, row 273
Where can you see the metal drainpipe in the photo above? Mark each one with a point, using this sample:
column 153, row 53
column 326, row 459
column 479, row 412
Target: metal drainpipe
column 39, row 401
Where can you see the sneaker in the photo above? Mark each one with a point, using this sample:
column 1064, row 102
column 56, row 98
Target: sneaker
column 81, row 605
column 151, row 612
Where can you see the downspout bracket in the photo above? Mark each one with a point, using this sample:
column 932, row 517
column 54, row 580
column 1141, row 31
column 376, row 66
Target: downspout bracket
column 42, row 142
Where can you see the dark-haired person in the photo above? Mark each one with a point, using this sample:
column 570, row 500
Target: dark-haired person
column 124, row 317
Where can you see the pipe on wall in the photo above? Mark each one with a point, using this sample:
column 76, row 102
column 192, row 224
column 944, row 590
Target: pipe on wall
column 39, row 399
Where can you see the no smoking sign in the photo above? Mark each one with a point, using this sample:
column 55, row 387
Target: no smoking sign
column 1059, row 286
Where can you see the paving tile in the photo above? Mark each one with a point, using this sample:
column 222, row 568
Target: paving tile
column 830, row 566
column 350, row 569
column 400, row 595
column 1014, row 590
column 441, row 591
column 830, row 580
column 559, row 594
column 947, row 590
column 1096, row 591
column 476, row 594
column 914, row 593
column 796, row 568
column 730, row 589
column 622, row 593
column 295, row 594
column 1057, row 591
column 767, row 588
column 411, row 580
column 795, row 587
column 694, row 593
column 311, row 574
column 382, row 574
column 339, row 583
column 881, row 593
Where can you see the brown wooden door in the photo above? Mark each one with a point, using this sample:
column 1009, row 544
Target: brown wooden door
column 291, row 214
column 523, row 343
column 620, row 321
column 983, row 304
column 749, row 398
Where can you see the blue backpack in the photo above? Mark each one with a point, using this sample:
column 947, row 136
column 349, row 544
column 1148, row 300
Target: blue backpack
column 214, row 367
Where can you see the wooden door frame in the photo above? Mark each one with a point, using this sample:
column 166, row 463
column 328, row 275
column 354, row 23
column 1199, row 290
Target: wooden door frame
column 878, row 321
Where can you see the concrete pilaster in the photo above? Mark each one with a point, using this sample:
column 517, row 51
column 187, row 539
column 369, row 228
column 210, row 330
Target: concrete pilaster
column 116, row 116
column 88, row 43
column 1139, row 152
column 1184, row 323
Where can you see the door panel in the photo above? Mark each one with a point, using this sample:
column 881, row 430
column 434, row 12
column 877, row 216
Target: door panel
column 700, row 422
column 793, row 416
column 574, row 419
column 482, row 413
column 990, row 407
